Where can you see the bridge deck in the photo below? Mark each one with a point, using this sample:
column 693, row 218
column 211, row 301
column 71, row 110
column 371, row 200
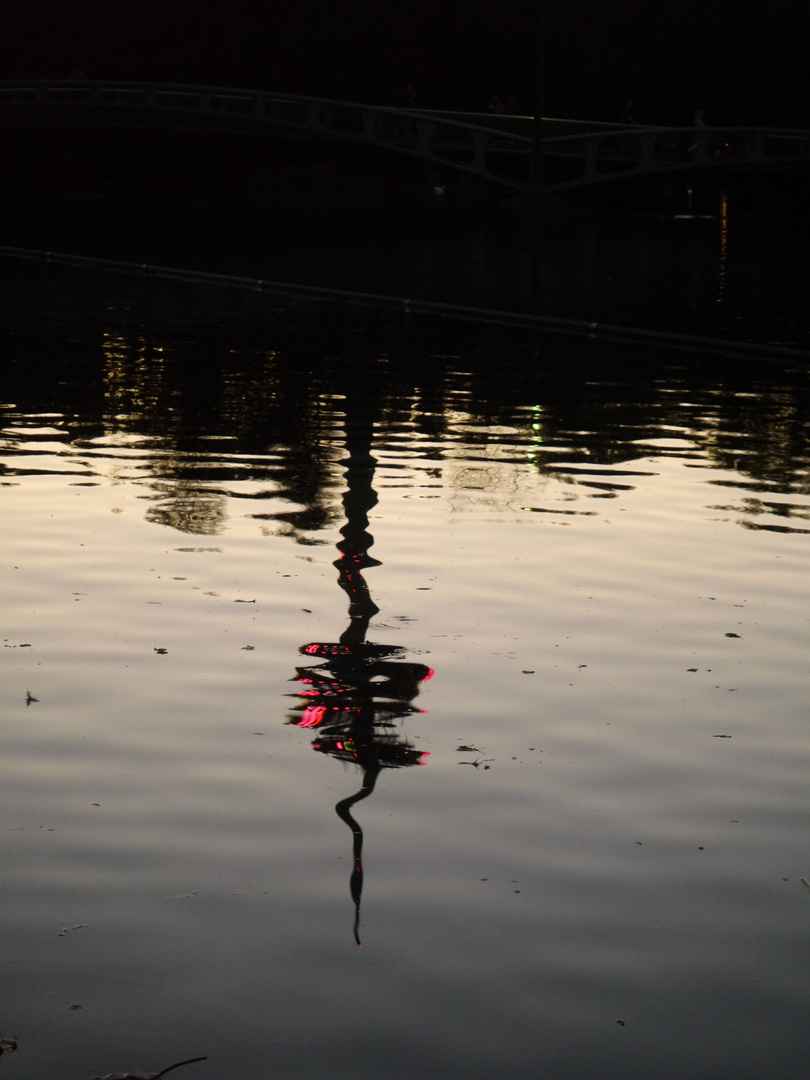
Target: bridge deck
column 499, row 149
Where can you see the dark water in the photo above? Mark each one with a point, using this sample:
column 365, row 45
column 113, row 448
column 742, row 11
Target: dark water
column 487, row 649
column 698, row 263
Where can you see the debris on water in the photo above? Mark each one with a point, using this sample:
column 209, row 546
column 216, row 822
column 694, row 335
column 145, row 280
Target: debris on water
column 8, row 1046
column 525, row 672
column 805, row 882
column 248, row 648
column 721, row 736
column 732, row 635
column 464, row 749
column 245, row 601
column 137, row 1075
column 66, row 930
column 621, row 1022
column 691, row 669
column 29, row 697
column 75, row 1008
column 161, row 652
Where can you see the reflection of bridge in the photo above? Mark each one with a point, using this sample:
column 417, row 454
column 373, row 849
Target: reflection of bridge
column 498, row 149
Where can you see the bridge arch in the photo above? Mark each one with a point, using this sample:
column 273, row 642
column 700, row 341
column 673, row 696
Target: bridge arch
column 493, row 154
column 574, row 154
column 582, row 160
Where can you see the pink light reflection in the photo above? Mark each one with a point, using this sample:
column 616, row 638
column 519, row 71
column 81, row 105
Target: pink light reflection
column 312, row 716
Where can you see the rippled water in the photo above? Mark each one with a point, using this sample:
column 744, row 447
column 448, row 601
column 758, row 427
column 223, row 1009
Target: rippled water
column 530, row 613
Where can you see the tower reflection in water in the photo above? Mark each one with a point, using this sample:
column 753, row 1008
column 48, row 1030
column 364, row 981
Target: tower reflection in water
column 359, row 690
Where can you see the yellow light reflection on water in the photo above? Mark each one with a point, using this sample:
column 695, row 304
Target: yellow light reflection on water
column 722, row 259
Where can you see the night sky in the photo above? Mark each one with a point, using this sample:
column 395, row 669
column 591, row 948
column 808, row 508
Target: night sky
column 745, row 61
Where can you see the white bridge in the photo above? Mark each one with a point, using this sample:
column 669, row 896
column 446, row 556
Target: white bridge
column 499, row 149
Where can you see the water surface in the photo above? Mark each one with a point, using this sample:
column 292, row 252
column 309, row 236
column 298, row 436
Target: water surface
column 529, row 612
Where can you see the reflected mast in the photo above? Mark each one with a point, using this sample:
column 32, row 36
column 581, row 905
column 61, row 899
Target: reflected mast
column 358, row 689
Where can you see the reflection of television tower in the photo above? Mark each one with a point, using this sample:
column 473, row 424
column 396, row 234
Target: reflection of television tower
column 359, row 689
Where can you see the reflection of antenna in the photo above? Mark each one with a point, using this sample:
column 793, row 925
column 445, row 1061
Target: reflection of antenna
column 343, row 810
column 359, row 688
column 358, row 499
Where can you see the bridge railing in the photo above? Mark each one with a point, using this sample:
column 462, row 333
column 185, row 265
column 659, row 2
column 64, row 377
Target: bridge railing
column 487, row 151
column 577, row 160
column 27, row 101
column 494, row 147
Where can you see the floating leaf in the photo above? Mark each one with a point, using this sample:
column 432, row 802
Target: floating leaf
column 148, row 1076
column 127, row 1076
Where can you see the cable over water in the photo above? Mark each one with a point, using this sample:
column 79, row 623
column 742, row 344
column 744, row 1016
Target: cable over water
column 529, row 320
